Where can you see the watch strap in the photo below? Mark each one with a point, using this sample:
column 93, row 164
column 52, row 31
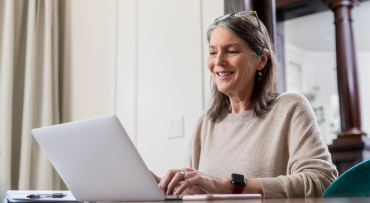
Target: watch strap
column 238, row 189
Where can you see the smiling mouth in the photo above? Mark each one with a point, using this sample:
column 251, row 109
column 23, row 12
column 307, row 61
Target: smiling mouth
column 225, row 74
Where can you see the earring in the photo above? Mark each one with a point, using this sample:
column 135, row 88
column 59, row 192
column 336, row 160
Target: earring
column 259, row 75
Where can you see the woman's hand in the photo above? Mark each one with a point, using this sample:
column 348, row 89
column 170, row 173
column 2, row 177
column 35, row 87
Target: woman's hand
column 196, row 183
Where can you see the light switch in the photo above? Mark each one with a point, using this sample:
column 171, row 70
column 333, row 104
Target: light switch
column 175, row 127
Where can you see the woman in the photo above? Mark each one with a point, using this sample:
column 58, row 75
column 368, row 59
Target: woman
column 271, row 139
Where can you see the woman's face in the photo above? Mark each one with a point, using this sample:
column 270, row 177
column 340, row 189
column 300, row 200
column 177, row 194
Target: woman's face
column 232, row 63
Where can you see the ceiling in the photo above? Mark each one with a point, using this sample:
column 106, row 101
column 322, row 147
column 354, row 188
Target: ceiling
column 316, row 32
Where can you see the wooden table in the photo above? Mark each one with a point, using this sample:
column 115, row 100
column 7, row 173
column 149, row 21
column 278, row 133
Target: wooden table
column 308, row 200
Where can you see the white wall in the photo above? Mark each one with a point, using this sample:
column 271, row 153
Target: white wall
column 169, row 78
column 126, row 70
column 89, row 65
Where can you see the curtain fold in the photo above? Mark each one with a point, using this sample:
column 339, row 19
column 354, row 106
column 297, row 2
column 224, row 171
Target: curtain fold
column 29, row 92
column 6, row 91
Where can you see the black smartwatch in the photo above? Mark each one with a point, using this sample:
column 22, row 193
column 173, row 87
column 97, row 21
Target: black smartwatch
column 239, row 183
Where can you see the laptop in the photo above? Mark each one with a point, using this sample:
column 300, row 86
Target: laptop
column 98, row 162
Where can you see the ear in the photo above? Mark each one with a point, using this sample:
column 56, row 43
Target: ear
column 263, row 60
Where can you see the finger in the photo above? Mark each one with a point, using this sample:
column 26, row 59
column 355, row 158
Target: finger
column 188, row 169
column 167, row 179
column 157, row 179
column 159, row 185
column 188, row 182
column 174, row 182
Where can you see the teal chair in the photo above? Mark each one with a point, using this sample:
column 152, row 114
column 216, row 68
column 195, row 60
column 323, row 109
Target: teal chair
column 353, row 183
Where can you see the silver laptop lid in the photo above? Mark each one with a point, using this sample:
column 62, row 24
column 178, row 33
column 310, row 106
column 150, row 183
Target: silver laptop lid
column 97, row 161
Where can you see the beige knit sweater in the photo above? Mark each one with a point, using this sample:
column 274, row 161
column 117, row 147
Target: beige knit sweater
column 283, row 149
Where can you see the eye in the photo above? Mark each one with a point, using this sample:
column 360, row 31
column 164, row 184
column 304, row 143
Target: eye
column 233, row 52
column 212, row 53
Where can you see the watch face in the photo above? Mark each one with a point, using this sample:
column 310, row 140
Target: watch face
column 238, row 179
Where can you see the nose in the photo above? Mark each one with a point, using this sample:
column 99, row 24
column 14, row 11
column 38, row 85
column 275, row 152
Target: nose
column 221, row 60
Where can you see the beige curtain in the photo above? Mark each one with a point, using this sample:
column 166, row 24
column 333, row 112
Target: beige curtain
column 29, row 91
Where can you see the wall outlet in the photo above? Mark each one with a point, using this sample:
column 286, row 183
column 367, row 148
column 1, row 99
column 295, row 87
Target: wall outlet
column 175, row 127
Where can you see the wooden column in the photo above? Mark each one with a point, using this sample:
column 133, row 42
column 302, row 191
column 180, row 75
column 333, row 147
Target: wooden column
column 352, row 145
column 266, row 11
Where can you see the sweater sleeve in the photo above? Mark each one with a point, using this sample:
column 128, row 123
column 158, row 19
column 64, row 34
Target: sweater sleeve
column 309, row 171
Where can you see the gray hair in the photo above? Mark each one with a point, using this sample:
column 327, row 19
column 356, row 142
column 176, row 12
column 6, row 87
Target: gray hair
column 258, row 41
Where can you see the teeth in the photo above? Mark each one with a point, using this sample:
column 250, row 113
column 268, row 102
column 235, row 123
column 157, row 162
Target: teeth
column 225, row 74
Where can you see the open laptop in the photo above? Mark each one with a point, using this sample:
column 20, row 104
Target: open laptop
column 98, row 162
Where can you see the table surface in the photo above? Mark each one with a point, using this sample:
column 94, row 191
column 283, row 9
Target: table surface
column 308, row 200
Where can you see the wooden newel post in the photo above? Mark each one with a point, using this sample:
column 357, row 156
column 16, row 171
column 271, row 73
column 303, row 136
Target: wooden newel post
column 352, row 145
column 346, row 69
